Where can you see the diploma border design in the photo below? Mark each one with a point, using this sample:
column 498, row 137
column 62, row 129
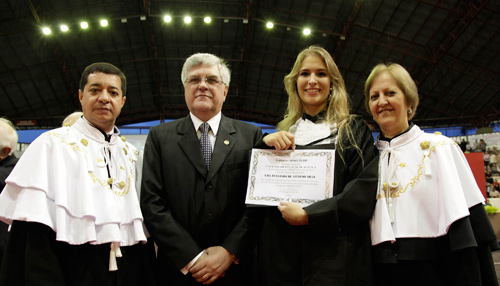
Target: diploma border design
column 305, row 201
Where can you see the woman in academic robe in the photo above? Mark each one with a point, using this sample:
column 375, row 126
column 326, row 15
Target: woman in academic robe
column 326, row 242
column 429, row 226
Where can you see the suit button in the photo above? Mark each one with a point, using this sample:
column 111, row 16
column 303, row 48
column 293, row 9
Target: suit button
column 209, row 216
column 209, row 188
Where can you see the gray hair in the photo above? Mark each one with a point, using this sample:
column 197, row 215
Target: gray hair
column 208, row 59
column 8, row 135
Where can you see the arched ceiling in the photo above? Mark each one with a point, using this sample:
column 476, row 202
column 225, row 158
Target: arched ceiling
column 451, row 48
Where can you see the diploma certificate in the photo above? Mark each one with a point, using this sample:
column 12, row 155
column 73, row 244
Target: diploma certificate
column 301, row 176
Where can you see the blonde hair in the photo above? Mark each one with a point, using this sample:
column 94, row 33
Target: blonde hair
column 337, row 110
column 403, row 80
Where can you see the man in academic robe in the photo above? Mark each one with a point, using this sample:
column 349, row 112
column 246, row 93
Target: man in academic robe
column 73, row 199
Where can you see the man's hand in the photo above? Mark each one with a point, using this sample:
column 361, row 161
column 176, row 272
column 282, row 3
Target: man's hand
column 212, row 265
column 280, row 140
column 293, row 213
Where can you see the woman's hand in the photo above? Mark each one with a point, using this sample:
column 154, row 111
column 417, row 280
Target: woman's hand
column 280, row 140
column 293, row 213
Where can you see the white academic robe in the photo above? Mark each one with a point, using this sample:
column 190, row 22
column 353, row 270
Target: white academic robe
column 425, row 184
column 62, row 181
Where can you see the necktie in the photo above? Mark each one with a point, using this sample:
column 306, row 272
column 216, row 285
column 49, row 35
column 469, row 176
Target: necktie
column 206, row 147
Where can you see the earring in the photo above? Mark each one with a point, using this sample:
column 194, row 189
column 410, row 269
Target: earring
column 409, row 111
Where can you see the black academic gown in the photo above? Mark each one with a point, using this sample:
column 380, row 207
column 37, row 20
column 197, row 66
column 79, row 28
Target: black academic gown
column 187, row 208
column 334, row 248
column 6, row 166
column 461, row 257
column 45, row 261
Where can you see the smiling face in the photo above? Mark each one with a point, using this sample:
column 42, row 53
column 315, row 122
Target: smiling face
column 388, row 105
column 205, row 98
column 102, row 100
column 313, row 84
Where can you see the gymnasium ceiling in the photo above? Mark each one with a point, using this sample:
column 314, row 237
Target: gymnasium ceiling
column 450, row 47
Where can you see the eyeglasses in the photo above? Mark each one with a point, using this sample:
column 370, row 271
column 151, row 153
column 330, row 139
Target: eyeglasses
column 194, row 81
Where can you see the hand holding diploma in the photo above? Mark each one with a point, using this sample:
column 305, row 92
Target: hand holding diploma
column 293, row 213
column 281, row 140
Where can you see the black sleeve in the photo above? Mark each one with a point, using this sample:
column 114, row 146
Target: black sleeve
column 486, row 243
column 355, row 183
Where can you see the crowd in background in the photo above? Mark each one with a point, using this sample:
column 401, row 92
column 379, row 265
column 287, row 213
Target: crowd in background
column 491, row 168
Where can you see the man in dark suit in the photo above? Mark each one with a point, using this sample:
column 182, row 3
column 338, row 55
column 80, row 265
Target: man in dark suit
column 193, row 204
column 8, row 142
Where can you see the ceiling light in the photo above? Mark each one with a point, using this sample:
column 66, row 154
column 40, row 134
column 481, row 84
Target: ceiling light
column 167, row 18
column 104, row 23
column 143, row 18
column 269, row 25
column 124, row 20
column 307, row 31
column 245, row 21
column 46, row 30
column 84, row 25
column 226, row 20
column 64, row 28
column 207, row 20
column 187, row 19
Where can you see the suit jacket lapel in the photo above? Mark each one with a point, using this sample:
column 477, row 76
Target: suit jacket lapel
column 190, row 144
column 224, row 143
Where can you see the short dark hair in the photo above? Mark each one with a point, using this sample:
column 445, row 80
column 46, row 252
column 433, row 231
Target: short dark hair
column 106, row 68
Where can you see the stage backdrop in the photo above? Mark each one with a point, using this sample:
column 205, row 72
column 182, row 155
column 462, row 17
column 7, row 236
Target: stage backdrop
column 476, row 163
